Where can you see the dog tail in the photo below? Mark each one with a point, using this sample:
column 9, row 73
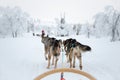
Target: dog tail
column 86, row 48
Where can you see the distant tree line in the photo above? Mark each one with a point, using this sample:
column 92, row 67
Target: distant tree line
column 14, row 22
column 107, row 23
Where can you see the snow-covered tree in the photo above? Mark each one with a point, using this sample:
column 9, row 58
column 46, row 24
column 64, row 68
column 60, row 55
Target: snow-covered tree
column 107, row 23
column 76, row 29
column 87, row 29
column 100, row 24
column 113, row 20
column 13, row 21
column 62, row 27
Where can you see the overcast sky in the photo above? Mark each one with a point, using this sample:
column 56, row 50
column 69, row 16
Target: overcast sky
column 76, row 11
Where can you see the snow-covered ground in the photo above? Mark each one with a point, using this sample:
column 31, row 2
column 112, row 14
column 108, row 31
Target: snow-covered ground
column 23, row 59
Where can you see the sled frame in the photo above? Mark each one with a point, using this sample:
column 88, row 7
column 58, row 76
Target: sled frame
column 85, row 74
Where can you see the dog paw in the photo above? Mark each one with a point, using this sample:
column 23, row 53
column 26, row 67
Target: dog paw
column 55, row 67
column 52, row 63
column 70, row 66
column 48, row 67
column 46, row 58
column 80, row 67
column 68, row 61
column 73, row 66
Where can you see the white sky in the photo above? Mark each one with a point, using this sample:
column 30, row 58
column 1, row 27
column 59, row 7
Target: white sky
column 76, row 11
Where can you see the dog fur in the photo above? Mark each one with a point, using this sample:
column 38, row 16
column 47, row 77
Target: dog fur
column 72, row 47
column 74, row 50
column 52, row 49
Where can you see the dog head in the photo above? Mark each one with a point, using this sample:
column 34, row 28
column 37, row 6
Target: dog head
column 44, row 39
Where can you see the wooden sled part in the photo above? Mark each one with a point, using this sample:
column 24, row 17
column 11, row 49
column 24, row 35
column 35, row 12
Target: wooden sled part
column 90, row 77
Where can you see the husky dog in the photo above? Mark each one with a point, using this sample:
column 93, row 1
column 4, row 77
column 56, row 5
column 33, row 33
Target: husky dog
column 54, row 53
column 74, row 50
column 68, row 43
column 52, row 49
column 47, row 42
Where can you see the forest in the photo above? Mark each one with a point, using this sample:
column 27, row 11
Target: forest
column 14, row 22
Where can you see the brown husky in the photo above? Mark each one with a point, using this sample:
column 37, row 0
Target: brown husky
column 68, row 43
column 74, row 50
column 54, row 53
column 52, row 49
column 46, row 41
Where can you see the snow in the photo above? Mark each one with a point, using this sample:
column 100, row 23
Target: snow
column 23, row 59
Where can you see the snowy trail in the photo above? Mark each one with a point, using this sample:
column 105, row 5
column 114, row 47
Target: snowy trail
column 23, row 59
